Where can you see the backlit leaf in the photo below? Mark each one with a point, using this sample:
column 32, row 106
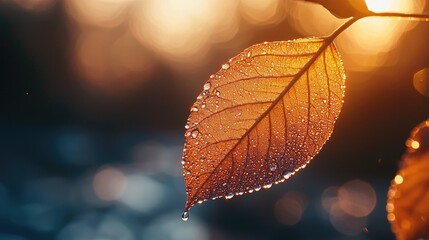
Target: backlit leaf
column 262, row 117
column 408, row 197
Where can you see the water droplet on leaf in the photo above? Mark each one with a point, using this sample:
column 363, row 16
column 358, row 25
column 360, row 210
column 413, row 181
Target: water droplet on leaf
column 195, row 133
column 229, row 196
column 207, row 86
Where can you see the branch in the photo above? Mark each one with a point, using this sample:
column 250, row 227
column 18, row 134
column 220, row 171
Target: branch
column 350, row 21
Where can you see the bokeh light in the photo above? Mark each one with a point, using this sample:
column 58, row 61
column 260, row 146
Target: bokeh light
column 35, row 5
column 398, row 179
column 99, row 13
column 349, row 206
column 109, row 184
column 262, row 12
column 346, row 224
column 143, row 194
column 290, row 208
column 182, row 31
column 357, row 198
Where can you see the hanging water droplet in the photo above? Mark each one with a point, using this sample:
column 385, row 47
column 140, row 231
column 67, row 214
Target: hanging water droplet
column 273, row 168
column 200, row 201
column 185, row 216
column 257, row 188
column 225, row 66
column 287, row 174
column 229, row 196
column 195, row 133
column 187, row 126
column 268, row 185
column 194, row 109
column 183, row 162
column 207, row 86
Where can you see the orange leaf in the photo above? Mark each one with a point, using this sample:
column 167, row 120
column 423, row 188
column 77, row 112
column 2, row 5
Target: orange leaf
column 408, row 197
column 262, row 117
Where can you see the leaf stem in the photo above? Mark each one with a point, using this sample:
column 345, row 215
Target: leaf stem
column 414, row 17
column 351, row 21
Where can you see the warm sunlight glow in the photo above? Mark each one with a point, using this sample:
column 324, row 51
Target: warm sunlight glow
column 261, row 12
column 369, row 36
column 382, row 5
column 182, row 30
column 368, row 43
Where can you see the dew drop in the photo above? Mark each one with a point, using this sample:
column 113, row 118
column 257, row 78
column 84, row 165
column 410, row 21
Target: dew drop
column 225, row 66
column 212, row 76
column 187, row 126
column 207, row 86
column 249, row 54
column 194, row 109
column 257, row 188
column 273, row 168
column 251, row 190
column 195, row 133
column 203, row 106
column 183, row 162
column 200, row 201
column 229, row 196
column 268, row 185
column 202, row 158
column 217, row 93
column 287, row 174
column 185, row 216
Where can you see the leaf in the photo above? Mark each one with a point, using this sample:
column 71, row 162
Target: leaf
column 344, row 8
column 408, row 197
column 421, row 81
column 262, row 117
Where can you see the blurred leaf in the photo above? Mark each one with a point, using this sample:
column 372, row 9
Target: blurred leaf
column 262, row 118
column 408, row 198
column 421, row 81
column 344, row 8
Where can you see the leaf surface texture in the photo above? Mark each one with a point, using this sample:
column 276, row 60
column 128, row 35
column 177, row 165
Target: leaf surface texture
column 263, row 116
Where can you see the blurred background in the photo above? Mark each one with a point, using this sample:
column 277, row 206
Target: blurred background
column 95, row 95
